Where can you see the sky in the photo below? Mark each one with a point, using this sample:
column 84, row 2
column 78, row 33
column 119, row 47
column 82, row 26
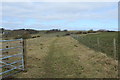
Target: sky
column 60, row 15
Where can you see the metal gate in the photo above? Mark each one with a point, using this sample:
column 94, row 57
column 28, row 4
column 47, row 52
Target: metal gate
column 11, row 57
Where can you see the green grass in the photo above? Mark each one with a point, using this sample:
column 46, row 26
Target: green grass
column 59, row 62
column 105, row 42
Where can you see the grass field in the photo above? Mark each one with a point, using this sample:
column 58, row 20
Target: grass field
column 64, row 57
column 106, row 44
column 53, row 56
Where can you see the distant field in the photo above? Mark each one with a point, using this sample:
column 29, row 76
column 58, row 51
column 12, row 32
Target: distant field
column 105, row 42
column 53, row 34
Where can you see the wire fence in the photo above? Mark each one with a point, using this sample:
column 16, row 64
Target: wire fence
column 108, row 46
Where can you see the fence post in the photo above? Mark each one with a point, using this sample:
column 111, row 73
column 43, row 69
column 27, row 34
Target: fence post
column 78, row 37
column 98, row 43
column 7, row 59
column 7, row 51
column 114, row 47
column 24, row 55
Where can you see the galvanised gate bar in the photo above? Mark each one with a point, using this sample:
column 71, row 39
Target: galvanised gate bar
column 11, row 57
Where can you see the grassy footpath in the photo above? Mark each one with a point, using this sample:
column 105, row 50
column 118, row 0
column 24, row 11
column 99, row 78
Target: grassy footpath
column 59, row 63
column 64, row 57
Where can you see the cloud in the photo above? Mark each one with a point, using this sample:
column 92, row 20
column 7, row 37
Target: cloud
column 17, row 13
column 55, row 10
column 60, row 0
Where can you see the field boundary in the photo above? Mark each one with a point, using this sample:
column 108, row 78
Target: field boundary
column 98, row 44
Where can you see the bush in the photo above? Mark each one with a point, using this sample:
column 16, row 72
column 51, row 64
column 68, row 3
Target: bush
column 84, row 32
column 38, row 36
column 65, row 30
column 24, row 36
column 67, row 34
column 80, row 32
column 34, row 37
column 91, row 31
column 57, row 35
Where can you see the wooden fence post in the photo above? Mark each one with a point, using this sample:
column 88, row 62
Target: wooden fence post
column 114, row 47
column 7, row 59
column 98, row 43
column 24, row 55
column 78, row 37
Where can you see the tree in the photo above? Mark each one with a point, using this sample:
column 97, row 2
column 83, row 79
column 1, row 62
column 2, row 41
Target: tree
column 90, row 31
column 65, row 30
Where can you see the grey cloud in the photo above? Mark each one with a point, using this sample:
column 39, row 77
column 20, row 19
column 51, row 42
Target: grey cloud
column 58, row 11
column 41, row 10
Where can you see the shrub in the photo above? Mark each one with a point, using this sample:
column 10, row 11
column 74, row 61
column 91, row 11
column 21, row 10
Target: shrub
column 34, row 36
column 38, row 36
column 91, row 31
column 65, row 30
column 57, row 35
column 67, row 34
column 24, row 36
column 84, row 32
column 80, row 32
